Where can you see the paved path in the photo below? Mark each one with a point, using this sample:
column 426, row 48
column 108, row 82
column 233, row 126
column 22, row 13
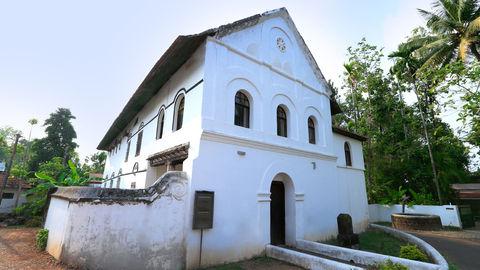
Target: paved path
column 463, row 253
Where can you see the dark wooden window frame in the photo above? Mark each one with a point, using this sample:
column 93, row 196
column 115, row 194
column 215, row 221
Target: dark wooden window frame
column 139, row 140
column 160, row 123
column 179, row 112
column 128, row 151
column 311, row 130
column 282, row 122
column 348, row 154
column 242, row 110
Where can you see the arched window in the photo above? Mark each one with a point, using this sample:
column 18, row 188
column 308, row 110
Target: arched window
column 160, row 122
column 311, row 130
column 242, row 110
column 135, row 167
column 139, row 140
column 281, row 122
column 348, row 154
column 128, row 151
column 179, row 107
column 118, row 178
column 111, row 180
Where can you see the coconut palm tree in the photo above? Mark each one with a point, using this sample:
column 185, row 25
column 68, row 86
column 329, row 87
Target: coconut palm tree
column 453, row 32
column 406, row 67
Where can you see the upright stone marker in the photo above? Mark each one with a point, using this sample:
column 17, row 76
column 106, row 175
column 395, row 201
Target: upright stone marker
column 346, row 237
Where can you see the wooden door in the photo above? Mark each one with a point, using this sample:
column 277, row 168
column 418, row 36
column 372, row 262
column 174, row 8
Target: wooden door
column 277, row 213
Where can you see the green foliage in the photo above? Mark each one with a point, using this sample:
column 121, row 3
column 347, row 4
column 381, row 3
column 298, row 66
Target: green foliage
column 421, row 198
column 52, row 176
column 41, row 239
column 95, row 163
column 397, row 156
column 7, row 138
column 452, row 33
column 36, row 221
column 52, row 168
column 59, row 140
column 412, row 252
column 389, row 265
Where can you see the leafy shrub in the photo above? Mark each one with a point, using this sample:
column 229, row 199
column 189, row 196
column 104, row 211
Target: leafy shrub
column 389, row 265
column 35, row 221
column 412, row 252
column 42, row 237
column 422, row 198
column 37, row 196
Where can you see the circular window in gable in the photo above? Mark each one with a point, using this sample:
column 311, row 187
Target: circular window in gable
column 282, row 47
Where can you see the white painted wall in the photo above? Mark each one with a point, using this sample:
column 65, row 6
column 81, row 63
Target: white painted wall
column 449, row 214
column 242, row 197
column 320, row 186
column 187, row 76
column 56, row 224
column 8, row 205
column 124, row 235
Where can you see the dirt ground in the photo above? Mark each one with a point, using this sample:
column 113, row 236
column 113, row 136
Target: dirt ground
column 17, row 251
column 260, row 263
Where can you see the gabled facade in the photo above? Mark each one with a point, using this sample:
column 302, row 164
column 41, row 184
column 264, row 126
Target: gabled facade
column 245, row 111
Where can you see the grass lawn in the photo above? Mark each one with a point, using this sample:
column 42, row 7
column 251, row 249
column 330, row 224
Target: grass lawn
column 376, row 241
column 380, row 242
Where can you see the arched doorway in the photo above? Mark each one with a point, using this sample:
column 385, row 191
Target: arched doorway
column 277, row 213
column 282, row 211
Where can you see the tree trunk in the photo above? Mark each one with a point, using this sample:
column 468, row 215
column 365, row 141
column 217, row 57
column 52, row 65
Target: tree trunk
column 432, row 161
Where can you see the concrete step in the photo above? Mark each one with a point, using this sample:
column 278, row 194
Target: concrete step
column 308, row 260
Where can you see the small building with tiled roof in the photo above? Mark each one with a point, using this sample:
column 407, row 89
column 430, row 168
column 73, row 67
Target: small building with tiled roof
column 13, row 195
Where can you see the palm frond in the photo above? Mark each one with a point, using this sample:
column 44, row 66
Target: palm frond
column 468, row 9
column 437, row 56
column 473, row 27
column 450, row 9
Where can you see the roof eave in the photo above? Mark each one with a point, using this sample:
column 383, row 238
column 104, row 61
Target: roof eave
column 176, row 55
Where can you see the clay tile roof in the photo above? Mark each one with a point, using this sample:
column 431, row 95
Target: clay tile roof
column 469, row 191
column 349, row 134
column 174, row 57
column 13, row 182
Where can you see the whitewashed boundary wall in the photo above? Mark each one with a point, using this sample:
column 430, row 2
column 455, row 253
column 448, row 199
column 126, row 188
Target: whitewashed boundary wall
column 97, row 228
column 449, row 214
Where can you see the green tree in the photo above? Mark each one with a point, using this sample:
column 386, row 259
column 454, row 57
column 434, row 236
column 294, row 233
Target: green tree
column 50, row 175
column 396, row 153
column 459, row 81
column 405, row 68
column 95, row 163
column 59, row 141
column 453, row 32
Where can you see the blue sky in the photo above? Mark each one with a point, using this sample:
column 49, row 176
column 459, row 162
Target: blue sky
column 90, row 56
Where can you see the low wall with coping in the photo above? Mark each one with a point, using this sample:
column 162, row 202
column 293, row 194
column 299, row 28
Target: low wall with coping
column 361, row 257
column 96, row 228
column 306, row 261
column 449, row 214
column 431, row 252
